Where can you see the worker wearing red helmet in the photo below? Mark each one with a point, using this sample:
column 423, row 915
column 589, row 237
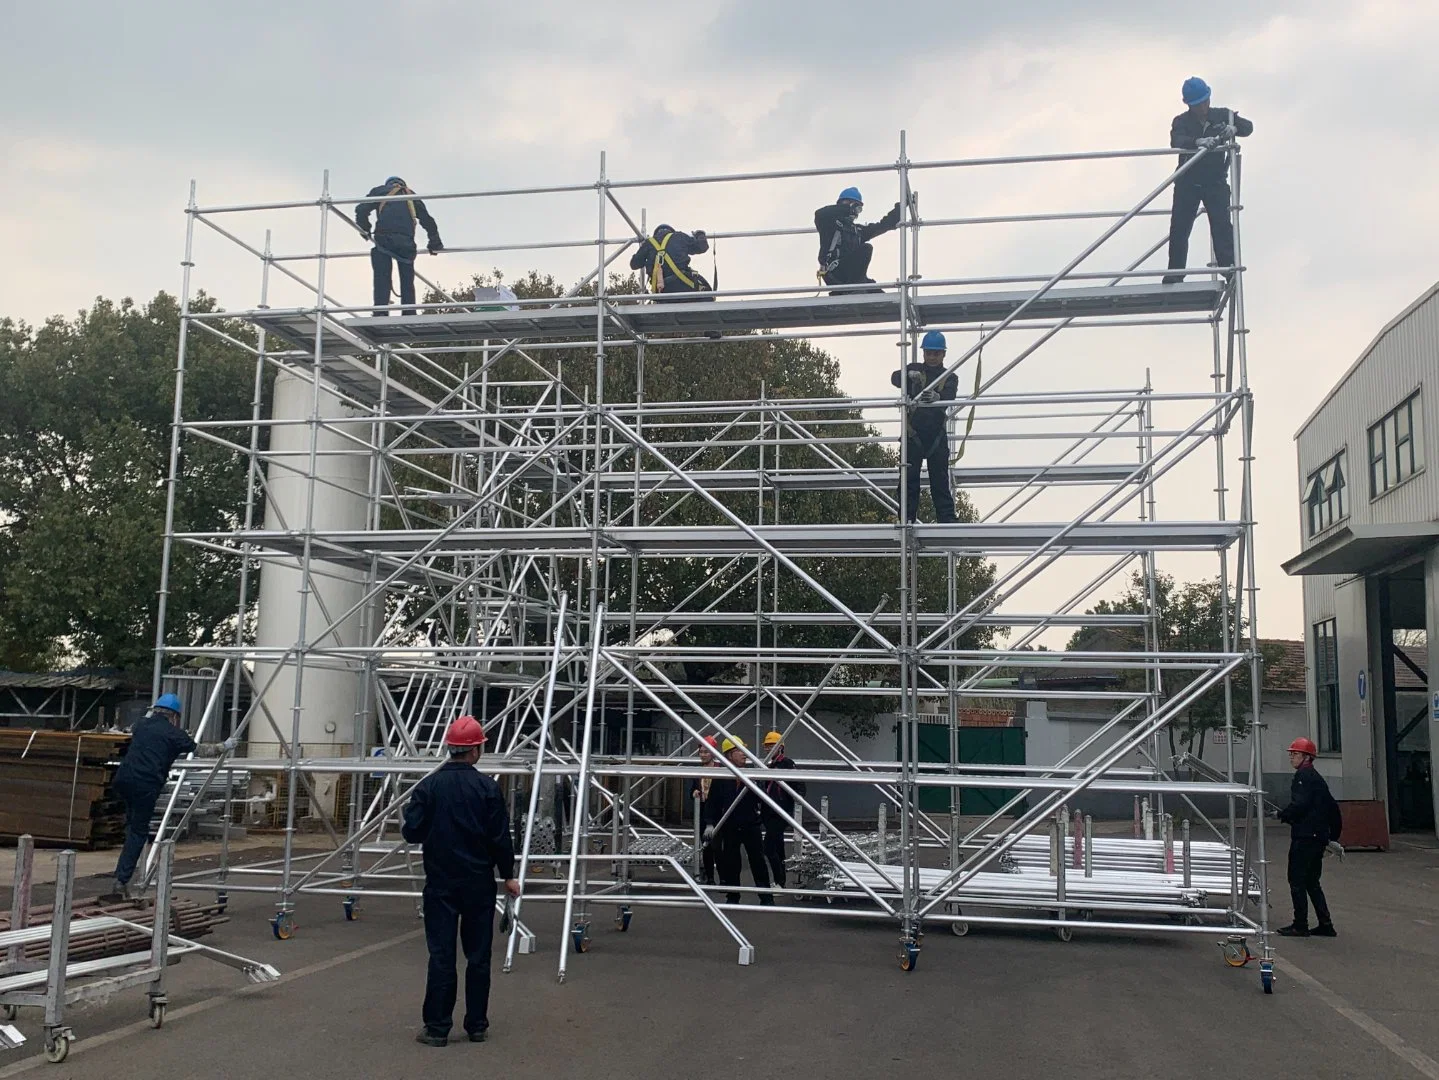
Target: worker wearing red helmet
column 458, row 814
column 1313, row 819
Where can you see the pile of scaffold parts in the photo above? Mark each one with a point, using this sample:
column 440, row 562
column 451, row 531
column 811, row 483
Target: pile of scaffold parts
column 188, row 919
column 57, row 787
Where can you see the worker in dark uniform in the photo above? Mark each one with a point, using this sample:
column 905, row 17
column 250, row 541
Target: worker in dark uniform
column 1202, row 127
column 928, row 441
column 394, row 236
column 774, row 825
column 844, row 245
column 738, row 830
column 156, row 742
column 458, row 814
column 700, row 790
column 665, row 259
column 1310, row 815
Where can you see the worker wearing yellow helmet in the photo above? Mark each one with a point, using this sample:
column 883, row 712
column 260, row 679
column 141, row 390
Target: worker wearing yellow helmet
column 733, row 825
column 783, row 793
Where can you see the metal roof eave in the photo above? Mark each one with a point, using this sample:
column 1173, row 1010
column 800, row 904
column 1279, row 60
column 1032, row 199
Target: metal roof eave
column 1360, row 549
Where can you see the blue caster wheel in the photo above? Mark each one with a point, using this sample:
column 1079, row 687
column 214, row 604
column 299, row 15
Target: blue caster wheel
column 1266, row 975
column 622, row 920
column 908, row 957
column 581, row 936
column 283, row 926
column 222, row 901
column 352, row 909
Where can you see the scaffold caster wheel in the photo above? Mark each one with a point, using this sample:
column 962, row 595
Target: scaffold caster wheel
column 352, row 909
column 222, row 901
column 1266, row 975
column 581, row 935
column 283, row 925
column 9, row 1012
column 57, row 1046
column 959, row 929
column 1236, row 952
column 1064, row 933
column 157, row 1014
column 622, row 921
column 908, row 957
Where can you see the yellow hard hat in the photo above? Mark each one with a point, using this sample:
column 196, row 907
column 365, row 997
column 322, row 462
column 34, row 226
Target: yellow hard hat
column 731, row 744
column 772, row 737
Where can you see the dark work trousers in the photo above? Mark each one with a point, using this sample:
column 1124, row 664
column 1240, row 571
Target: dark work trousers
column 1306, row 862
column 382, row 255
column 750, row 838
column 931, row 449
column 676, row 291
column 470, row 913
column 774, row 828
column 139, row 809
column 707, row 862
column 1187, row 197
column 853, row 268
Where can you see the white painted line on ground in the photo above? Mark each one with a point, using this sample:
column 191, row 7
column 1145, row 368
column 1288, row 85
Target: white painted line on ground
column 1392, row 1042
column 84, row 1045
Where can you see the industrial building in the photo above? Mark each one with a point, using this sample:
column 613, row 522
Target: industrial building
column 1369, row 514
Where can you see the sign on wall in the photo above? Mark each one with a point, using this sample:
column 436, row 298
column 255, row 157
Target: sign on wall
column 1363, row 688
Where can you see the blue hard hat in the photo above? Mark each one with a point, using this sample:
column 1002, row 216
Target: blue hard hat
column 169, row 701
column 660, row 230
column 933, row 342
column 1195, row 90
column 391, row 181
column 851, row 193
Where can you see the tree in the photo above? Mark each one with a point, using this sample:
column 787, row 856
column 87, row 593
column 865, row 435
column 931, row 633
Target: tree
column 743, row 371
column 85, row 416
column 1190, row 618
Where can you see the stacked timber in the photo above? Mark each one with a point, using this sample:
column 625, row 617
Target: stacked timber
column 57, row 787
column 188, row 919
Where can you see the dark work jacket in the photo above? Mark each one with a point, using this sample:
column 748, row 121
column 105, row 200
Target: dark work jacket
column 395, row 225
column 679, row 248
column 927, row 421
column 459, row 816
column 841, row 235
column 1307, row 814
column 775, row 790
column 1187, row 129
column 155, row 744
column 723, row 792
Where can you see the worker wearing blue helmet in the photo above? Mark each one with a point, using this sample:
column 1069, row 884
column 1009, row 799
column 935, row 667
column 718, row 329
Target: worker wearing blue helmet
column 156, row 741
column 396, row 214
column 844, row 244
column 1202, row 126
column 928, row 442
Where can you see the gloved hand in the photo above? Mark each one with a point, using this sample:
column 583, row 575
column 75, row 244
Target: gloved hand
column 1228, row 131
column 709, row 833
column 230, row 743
column 365, row 232
column 1205, row 143
column 435, row 247
column 928, row 397
column 699, row 234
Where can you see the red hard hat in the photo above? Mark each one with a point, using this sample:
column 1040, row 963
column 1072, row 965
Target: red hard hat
column 1304, row 746
column 712, row 742
column 466, row 731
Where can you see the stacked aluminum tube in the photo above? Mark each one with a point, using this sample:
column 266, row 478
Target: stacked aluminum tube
column 995, row 889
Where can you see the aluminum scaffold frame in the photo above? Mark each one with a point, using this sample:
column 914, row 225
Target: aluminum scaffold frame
column 512, row 509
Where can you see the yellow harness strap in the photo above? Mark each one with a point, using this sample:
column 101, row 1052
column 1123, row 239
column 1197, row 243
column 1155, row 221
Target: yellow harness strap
column 400, row 189
column 969, row 424
column 662, row 259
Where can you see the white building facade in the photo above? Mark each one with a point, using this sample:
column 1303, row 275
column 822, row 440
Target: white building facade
column 1369, row 513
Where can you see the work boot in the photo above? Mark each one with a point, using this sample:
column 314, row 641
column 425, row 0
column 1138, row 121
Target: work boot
column 426, row 1037
column 479, row 1036
column 1324, row 929
column 1294, row 930
column 1172, row 279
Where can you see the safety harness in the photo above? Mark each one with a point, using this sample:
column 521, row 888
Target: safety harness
column 400, row 189
column 664, row 259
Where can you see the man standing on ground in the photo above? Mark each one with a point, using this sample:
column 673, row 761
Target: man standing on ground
column 699, row 793
column 394, row 238
column 1310, row 815
column 928, row 429
column 844, row 244
column 1202, row 127
column 459, row 815
column 738, row 830
column 774, row 825
column 156, row 742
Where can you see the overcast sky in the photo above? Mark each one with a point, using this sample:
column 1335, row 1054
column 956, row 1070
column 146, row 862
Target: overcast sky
column 113, row 108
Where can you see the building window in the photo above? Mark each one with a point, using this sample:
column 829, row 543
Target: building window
column 1324, row 497
column 1396, row 446
column 1326, row 686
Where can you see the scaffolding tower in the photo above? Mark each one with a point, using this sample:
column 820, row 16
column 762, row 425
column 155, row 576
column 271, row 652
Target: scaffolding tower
column 454, row 510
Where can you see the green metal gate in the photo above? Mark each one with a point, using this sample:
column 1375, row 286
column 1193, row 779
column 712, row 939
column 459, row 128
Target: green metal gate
column 977, row 745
